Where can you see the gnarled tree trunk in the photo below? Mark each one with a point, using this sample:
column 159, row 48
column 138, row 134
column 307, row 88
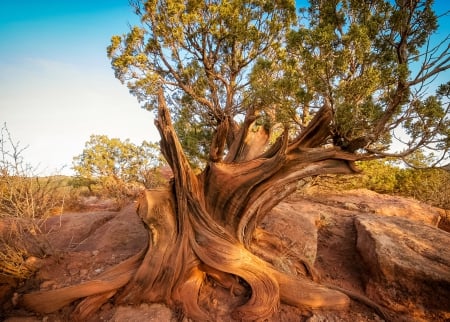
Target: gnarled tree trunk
column 205, row 225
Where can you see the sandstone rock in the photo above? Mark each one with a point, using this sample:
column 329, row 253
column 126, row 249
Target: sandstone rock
column 67, row 231
column 94, row 231
column 366, row 201
column 293, row 222
column 408, row 262
column 122, row 234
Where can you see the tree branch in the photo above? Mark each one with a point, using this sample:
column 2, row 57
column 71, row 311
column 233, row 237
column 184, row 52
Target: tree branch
column 172, row 150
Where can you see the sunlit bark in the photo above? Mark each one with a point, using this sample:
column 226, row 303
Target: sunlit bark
column 204, row 226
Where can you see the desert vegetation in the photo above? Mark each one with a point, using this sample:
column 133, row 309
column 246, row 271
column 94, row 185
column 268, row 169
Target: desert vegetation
column 26, row 199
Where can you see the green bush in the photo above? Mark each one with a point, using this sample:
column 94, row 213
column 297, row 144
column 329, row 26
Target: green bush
column 385, row 176
column 427, row 185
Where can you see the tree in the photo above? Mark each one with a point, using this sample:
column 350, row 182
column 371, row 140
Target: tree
column 107, row 161
column 280, row 102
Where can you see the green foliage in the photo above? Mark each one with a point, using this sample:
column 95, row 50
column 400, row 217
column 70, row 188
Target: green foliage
column 194, row 134
column 379, row 175
column 386, row 176
column 115, row 167
column 357, row 56
column 219, row 60
column 427, row 185
column 197, row 47
column 200, row 52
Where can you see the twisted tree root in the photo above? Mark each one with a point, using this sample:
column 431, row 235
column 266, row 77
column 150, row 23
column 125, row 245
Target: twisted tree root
column 106, row 282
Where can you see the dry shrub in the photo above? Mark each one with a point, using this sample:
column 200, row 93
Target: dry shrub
column 22, row 243
column 18, row 250
column 25, row 201
column 29, row 197
column 121, row 192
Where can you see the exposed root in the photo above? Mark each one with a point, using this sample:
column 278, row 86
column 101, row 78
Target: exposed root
column 108, row 281
column 186, row 296
column 382, row 312
column 306, row 294
column 272, row 248
column 90, row 305
column 225, row 280
column 236, row 260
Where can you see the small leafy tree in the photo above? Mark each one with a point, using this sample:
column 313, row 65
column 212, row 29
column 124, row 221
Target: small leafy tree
column 113, row 163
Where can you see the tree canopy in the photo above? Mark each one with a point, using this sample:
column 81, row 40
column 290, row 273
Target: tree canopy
column 373, row 63
column 220, row 62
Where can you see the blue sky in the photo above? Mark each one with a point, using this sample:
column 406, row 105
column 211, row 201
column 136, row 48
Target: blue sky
column 56, row 84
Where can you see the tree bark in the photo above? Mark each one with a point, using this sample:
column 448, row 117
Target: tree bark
column 204, row 226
